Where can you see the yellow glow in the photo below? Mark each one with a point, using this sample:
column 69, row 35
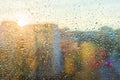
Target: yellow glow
column 21, row 23
column 22, row 19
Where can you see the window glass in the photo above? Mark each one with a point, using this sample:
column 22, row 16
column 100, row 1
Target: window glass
column 59, row 39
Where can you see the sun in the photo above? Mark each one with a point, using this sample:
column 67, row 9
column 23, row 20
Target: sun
column 21, row 23
column 22, row 19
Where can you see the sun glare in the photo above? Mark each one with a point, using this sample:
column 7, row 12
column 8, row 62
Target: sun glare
column 21, row 23
column 22, row 20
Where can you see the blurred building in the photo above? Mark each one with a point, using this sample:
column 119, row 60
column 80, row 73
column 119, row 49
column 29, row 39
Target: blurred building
column 34, row 49
column 8, row 34
column 48, row 54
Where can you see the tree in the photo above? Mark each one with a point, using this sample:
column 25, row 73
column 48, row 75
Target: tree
column 88, row 52
column 118, row 39
column 106, row 38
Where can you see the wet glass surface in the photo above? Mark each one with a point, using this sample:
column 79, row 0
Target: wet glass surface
column 60, row 40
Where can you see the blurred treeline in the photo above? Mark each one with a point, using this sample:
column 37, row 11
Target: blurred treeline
column 105, row 37
column 84, row 52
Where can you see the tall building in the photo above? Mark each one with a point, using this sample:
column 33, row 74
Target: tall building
column 8, row 33
column 48, row 52
column 33, row 50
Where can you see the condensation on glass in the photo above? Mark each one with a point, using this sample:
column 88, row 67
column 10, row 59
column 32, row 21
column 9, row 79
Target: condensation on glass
column 59, row 40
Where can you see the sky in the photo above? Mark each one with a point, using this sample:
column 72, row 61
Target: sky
column 74, row 14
